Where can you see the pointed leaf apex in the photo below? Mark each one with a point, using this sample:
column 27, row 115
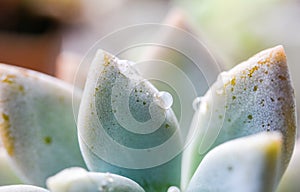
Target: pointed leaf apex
column 279, row 54
column 275, row 55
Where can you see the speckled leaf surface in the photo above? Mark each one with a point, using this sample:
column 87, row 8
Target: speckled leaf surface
column 21, row 188
column 126, row 126
column 37, row 124
column 242, row 165
column 79, row 180
column 254, row 96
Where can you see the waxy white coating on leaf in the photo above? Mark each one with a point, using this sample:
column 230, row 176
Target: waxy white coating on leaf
column 79, row 180
column 124, row 128
column 37, row 125
column 242, row 165
column 22, row 188
column 254, row 96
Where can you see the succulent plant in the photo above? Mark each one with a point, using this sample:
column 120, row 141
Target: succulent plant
column 252, row 97
column 120, row 108
column 38, row 129
column 241, row 138
column 232, row 169
column 23, row 188
column 7, row 175
column 78, row 179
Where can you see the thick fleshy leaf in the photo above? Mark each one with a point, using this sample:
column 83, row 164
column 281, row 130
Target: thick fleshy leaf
column 254, row 96
column 79, row 180
column 290, row 179
column 7, row 175
column 22, row 188
column 37, row 124
column 242, row 165
column 127, row 127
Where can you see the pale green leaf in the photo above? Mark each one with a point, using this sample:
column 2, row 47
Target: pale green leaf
column 242, row 165
column 127, row 127
column 37, row 124
column 79, row 180
column 7, row 175
column 254, row 96
column 22, row 188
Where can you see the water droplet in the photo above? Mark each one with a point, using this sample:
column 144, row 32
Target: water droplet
column 173, row 189
column 163, row 99
column 196, row 103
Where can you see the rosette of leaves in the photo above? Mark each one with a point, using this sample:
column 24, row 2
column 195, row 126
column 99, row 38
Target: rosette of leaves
column 243, row 132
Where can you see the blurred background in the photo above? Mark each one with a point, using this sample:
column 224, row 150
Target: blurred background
column 52, row 36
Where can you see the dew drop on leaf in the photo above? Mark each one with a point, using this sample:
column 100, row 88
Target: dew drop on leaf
column 163, row 99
